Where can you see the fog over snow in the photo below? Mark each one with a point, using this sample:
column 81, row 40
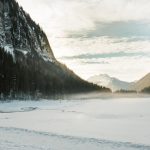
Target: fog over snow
column 98, row 36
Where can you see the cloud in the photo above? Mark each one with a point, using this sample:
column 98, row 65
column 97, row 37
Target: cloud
column 94, row 62
column 59, row 17
column 127, row 29
column 107, row 55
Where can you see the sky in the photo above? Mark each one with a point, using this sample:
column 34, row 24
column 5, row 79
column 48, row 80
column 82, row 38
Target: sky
column 97, row 36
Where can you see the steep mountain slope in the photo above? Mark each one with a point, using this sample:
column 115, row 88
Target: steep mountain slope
column 27, row 64
column 143, row 83
column 19, row 33
column 113, row 83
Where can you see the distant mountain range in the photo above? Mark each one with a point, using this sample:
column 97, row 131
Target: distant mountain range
column 142, row 83
column 115, row 84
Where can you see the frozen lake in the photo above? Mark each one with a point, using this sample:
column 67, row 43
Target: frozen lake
column 96, row 124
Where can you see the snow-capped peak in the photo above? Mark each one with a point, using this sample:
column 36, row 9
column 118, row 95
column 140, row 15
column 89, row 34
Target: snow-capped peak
column 113, row 83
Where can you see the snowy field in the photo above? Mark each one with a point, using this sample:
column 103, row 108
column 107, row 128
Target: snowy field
column 96, row 124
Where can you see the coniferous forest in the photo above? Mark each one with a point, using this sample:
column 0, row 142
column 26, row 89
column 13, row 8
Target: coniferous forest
column 30, row 76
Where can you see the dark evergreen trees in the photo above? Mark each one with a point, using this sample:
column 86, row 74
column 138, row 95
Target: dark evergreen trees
column 146, row 90
column 30, row 76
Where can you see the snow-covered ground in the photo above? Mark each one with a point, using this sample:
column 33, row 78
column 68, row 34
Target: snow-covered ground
column 110, row 124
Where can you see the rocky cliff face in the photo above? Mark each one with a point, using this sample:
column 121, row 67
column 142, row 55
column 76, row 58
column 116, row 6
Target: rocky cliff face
column 19, row 33
column 28, row 67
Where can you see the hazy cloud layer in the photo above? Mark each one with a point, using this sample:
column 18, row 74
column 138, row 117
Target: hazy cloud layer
column 107, row 55
column 75, row 15
column 94, row 62
column 128, row 29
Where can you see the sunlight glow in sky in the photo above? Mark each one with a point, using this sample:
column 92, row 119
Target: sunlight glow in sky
column 97, row 36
